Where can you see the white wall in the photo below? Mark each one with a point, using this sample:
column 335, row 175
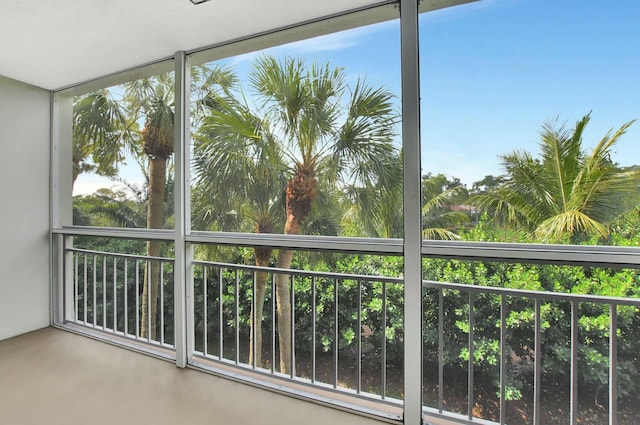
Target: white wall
column 24, row 208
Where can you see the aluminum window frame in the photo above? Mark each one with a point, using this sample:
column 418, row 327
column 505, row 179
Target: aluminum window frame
column 411, row 246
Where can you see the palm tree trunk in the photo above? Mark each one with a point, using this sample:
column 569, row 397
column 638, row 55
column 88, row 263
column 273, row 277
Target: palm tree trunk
column 155, row 220
column 263, row 255
column 283, row 293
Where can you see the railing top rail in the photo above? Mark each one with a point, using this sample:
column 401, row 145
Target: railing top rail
column 353, row 245
column 303, row 242
column 599, row 299
column 115, row 254
column 114, row 232
column 585, row 255
column 331, row 275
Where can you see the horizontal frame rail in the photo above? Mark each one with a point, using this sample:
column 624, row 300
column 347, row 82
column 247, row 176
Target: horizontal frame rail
column 115, row 254
column 552, row 296
column 321, row 243
column 113, row 232
column 585, row 255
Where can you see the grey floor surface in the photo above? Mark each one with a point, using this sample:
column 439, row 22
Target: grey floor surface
column 54, row 377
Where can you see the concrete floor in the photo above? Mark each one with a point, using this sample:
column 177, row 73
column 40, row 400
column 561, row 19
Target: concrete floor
column 55, row 377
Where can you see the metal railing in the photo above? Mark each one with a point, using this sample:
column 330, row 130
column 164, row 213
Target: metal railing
column 338, row 325
column 346, row 330
column 110, row 295
column 467, row 299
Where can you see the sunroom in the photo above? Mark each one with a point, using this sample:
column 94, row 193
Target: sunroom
column 357, row 211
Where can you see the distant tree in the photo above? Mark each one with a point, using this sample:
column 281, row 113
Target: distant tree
column 439, row 197
column 377, row 208
column 487, row 184
column 109, row 208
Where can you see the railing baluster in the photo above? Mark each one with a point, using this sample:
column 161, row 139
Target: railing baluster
column 104, row 292
column 359, row 335
column 273, row 322
column 440, row 350
column 613, row 364
column 253, row 319
column 237, row 316
column 94, row 292
column 125, row 285
column 220, row 315
column 115, row 294
column 335, row 333
column 574, row 364
column 537, row 364
column 137, row 298
column 383, row 378
column 76, row 302
column 149, row 278
column 292, row 345
column 65, row 297
column 205, row 323
column 313, row 326
column 161, row 302
column 84, row 287
column 503, row 358
column 471, row 359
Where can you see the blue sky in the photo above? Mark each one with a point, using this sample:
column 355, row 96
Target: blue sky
column 492, row 72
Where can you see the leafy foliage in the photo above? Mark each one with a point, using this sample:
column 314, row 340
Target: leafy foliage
column 299, row 117
column 566, row 193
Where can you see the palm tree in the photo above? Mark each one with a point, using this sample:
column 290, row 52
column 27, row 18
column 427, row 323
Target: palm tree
column 104, row 127
column 566, row 192
column 306, row 105
column 100, row 134
column 151, row 100
column 237, row 174
column 298, row 126
column 438, row 196
column 377, row 209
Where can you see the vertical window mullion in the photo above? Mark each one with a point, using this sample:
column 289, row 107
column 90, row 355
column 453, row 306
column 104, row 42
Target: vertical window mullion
column 182, row 272
column 412, row 239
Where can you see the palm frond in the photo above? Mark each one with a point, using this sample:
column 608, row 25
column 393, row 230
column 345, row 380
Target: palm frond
column 565, row 192
column 569, row 223
column 433, row 233
column 98, row 133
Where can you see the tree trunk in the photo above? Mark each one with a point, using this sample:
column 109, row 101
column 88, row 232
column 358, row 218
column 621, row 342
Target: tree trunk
column 283, row 293
column 263, row 255
column 301, row 193
column 155, row 220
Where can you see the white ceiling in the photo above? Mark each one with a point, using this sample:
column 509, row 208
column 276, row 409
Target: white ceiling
column 58, row 43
